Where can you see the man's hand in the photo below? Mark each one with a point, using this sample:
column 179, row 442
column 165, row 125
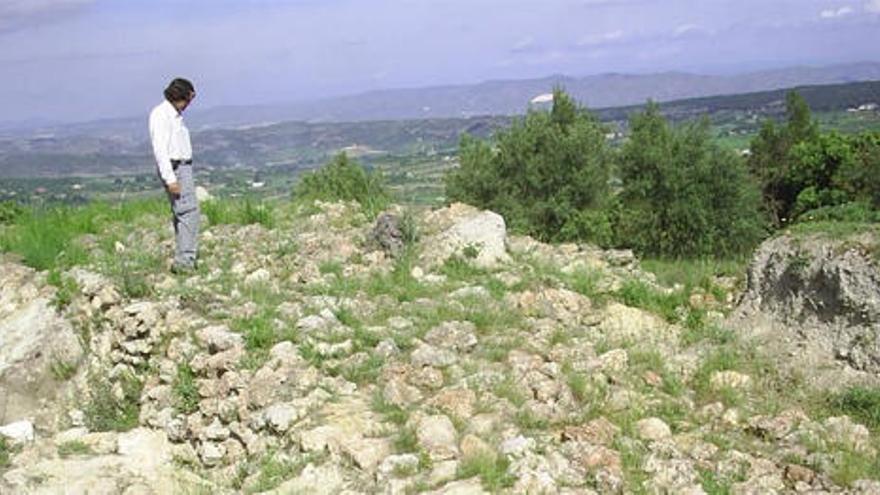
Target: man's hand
column 173, row 188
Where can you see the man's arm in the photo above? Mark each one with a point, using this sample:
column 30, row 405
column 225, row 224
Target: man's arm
column 160, row 136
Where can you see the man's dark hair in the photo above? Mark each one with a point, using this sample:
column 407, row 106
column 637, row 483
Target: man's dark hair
column 179, row 89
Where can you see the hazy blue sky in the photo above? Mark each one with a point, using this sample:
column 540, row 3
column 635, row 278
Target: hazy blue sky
column 88, row 59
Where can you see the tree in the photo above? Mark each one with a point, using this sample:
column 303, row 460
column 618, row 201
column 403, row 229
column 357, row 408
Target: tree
column 547, row 174
column 682, row 194
column 771, row 159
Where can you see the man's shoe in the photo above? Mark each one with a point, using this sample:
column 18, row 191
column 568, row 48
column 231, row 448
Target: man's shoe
column 180, row 269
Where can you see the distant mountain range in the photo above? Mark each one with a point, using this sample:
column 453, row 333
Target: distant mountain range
column 487, row 98
column 121, row 147
column 512, row 97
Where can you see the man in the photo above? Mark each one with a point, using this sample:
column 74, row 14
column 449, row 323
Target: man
column 173, row 152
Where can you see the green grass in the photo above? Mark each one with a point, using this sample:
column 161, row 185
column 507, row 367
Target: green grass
column 526, row 420
column 508, row 389
column 492, row 471
column 105, row 412
column 246, row 211
column 5, row 453
column 72, row 448
column 66, row 289
column 850, row 466
column 696, row 273
column 720, row 359
column 713, row 484
column 186, row 394
column 62, row 370
column 862, row 404
column 45, row 237
column 399, row 284
column 390, row 412
column 274, row 470
column 366, row 371
column 834, row 229
column 639, row 294
column 406, row 441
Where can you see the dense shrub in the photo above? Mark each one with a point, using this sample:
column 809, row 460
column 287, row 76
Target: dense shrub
column 345, row 180
column 9, row 212
column 547, row 175
column 682, row 194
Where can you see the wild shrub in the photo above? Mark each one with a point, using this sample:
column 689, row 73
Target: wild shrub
column 547, row 175
column 9, row 212
column 345, row 180
column 683, row 195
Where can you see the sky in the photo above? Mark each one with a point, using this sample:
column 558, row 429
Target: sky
column 81, row 60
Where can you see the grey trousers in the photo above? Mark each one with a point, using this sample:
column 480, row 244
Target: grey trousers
column 186, row 217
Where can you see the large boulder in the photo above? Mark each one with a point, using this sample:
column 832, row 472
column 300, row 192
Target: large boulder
column 36, row 346
column 466, row 232
column 820, row 293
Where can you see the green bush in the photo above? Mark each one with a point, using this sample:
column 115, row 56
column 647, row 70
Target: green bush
column 345, row 180
column 548, row 174
column 9, row 212
column 773, row 163
column 683, row 195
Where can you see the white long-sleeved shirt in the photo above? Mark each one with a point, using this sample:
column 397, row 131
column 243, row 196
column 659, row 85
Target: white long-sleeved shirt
column 170, row 139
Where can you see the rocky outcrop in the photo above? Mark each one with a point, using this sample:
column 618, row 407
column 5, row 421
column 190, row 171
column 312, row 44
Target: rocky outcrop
column 820, row 292
column 36, row 345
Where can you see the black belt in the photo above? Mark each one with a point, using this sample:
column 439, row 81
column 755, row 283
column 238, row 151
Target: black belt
column 177, row 163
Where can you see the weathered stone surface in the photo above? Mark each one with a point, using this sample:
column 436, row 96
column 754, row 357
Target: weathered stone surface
column 428, row 355
column 436, row 434
column 653, row 429
column 474, row 235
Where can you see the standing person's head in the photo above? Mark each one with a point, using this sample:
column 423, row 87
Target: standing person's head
column 180, row 92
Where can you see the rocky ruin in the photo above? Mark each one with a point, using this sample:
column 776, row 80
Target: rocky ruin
column 310, row 358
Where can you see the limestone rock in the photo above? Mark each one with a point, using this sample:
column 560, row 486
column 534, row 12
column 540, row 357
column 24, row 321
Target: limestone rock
column 436, row 434
column 653, row 429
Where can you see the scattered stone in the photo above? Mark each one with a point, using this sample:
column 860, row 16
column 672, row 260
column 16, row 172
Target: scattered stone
column 653, row 429
column 730, row 380
column 218, row 338
column 428, row 355
column 398, row 466
column 211, row 453
column 436, row 434
column 453, row 335
column 456, row 402
column 388, row 234
column 473, row 446
column 367, row 453
column 280, row 417
column 19, row 433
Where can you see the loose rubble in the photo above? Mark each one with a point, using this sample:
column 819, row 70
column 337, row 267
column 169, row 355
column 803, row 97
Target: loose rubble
column 325, row 356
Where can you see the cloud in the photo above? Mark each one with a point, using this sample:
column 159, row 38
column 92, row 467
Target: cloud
column 873, row 6
column 841, row 12
column 21, row 14
column 600, row 38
